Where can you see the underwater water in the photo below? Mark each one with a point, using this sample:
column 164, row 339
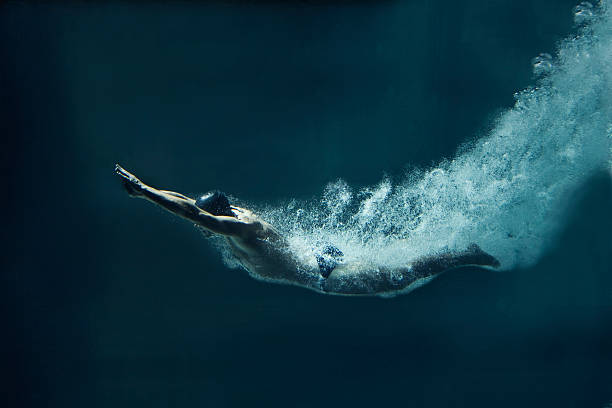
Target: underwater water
column 507, row 191
column 391, row 129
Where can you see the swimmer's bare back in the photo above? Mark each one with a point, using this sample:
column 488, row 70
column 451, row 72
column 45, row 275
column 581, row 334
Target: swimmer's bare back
column 264, row 253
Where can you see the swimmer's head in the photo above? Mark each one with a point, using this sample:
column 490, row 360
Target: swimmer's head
column 215, row 203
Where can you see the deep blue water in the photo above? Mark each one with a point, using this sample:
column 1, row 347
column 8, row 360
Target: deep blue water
column 112, row 302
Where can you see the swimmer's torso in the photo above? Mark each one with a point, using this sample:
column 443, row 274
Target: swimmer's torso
column 261, row 249
column 265, row 254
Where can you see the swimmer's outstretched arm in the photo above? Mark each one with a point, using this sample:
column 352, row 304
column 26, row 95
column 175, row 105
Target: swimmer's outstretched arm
column 181, row 205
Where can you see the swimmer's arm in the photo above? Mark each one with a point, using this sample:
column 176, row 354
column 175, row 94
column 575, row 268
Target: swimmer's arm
column 179, row 195
column 182, row 206
column 186, row 208
column 223, row 225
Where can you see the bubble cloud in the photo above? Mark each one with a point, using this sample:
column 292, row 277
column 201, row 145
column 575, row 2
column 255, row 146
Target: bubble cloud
column 506, row 192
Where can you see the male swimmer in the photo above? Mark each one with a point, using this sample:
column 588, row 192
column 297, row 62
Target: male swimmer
column 264, row 252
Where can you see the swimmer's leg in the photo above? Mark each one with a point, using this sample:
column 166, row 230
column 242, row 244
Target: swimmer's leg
column 476, row 256
column 433, row 265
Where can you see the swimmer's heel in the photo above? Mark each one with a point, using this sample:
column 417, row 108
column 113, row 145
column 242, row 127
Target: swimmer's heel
column 476, row 256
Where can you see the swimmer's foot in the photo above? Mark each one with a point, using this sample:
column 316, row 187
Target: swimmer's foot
column 132, row 185
column 479, row 257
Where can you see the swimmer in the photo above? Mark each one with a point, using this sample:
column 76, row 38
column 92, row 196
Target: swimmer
column 265, row 254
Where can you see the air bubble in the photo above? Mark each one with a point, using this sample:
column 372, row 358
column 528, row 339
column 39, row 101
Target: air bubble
column 583, row 12
column 542, row 64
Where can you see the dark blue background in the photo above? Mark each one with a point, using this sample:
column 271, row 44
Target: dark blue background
column 112, row 302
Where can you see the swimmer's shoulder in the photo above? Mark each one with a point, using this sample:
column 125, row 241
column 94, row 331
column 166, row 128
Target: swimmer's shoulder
column 255, row 224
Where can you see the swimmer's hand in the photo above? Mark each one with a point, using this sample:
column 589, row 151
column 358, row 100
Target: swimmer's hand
column 132, row 185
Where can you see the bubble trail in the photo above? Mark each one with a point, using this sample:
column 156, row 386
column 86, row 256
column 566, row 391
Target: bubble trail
column 542, row 64
column 583, row 12
column 507, row 191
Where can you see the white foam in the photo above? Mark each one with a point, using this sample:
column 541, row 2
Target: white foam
column 506, row 192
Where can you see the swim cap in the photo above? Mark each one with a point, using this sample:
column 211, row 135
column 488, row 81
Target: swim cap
column 215, row 203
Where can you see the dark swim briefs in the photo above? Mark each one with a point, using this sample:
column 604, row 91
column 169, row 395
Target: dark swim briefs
column 328, row 259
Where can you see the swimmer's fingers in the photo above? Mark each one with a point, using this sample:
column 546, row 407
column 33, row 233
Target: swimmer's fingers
column 130, row 182
column 124, row 173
